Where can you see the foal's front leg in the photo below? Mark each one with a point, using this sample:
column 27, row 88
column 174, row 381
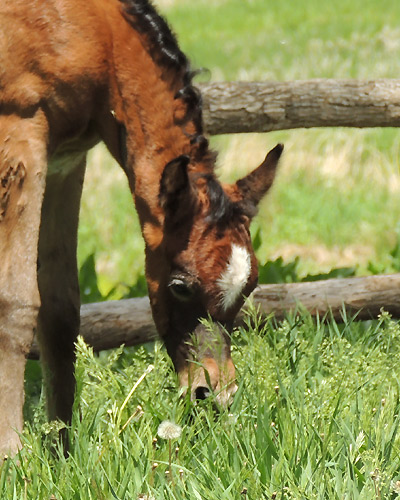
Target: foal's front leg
column 59, row 315
column 22, row 182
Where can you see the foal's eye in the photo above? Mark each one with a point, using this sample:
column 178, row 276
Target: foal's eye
column 180, row 289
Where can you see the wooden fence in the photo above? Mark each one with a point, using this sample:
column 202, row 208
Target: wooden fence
column 240, row 107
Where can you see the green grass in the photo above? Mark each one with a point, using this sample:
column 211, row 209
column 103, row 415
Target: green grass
column 316, row 417
column 287, row 40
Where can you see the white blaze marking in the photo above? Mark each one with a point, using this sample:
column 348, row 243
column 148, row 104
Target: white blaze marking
column 235, row 276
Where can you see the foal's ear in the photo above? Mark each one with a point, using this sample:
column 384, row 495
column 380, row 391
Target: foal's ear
column 174, row 181
column 256, row 184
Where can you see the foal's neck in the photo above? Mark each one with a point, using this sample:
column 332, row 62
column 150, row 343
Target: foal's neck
column 146, row 100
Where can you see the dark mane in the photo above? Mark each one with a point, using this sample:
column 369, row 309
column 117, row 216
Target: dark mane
column 164, row 50
column 163, row 45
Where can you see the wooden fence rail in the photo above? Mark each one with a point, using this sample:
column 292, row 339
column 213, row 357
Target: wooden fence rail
column 235, row 107
column 105, row 325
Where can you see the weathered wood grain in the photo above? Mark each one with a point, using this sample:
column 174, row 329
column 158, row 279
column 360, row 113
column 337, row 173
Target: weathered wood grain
column 236, row 107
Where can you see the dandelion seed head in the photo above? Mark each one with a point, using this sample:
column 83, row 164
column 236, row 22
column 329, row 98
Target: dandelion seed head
column 169, row 430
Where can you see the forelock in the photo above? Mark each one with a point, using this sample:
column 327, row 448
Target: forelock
column 221, row 209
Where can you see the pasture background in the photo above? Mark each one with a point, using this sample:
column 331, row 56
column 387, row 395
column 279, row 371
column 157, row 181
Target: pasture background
column 317, row 413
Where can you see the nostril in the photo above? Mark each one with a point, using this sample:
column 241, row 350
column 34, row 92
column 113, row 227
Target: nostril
column 202, row 392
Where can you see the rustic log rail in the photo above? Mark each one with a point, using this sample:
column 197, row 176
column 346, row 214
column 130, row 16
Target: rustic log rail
column 237, row 107
column 240, row 107
column 105, row 325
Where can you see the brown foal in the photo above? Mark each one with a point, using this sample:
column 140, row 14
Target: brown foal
column 73, row 73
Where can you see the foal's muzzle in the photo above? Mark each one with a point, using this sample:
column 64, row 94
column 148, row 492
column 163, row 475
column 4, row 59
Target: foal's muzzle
column 207, row 378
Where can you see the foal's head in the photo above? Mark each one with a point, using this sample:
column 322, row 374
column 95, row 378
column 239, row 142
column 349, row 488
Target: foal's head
column 204, row 268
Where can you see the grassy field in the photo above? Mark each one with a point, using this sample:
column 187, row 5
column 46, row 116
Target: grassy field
column 316, row 416
column 317, row 413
